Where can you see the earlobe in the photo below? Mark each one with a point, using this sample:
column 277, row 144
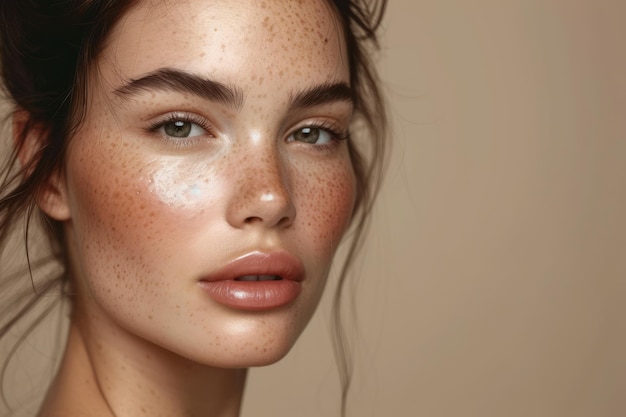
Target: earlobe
column 52, row 198
column 30, row 140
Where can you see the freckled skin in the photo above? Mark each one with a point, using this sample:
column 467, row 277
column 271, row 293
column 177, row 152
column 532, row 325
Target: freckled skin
column 149, row 218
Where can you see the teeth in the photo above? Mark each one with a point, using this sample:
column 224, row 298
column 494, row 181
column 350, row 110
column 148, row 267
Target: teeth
column 248, row 278
column 258, row 278
column 268, row 277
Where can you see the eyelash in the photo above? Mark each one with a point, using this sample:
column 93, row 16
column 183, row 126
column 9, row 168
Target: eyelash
column 336, row 134
column 185, row 118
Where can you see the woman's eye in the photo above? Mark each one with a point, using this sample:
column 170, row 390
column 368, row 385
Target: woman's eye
column 312, row 135
column 181, row 129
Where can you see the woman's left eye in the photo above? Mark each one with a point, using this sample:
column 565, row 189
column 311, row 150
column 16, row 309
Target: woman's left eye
column 312, row 135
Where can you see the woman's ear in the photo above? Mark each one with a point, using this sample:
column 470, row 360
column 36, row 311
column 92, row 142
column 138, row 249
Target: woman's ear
column 29, row 140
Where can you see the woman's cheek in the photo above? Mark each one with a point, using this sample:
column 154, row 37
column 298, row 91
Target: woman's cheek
column 326, row 194
column 132, row 216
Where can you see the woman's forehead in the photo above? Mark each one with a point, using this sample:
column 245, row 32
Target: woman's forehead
column 233, row 41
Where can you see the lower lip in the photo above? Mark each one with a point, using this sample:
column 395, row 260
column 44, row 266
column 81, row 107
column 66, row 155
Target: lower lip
column 252, row 295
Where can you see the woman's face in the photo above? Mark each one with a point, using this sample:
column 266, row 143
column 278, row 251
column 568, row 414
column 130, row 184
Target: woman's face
column 213, row 153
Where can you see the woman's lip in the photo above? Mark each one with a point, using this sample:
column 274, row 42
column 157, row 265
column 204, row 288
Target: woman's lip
column 222, row 287
column 281, row 264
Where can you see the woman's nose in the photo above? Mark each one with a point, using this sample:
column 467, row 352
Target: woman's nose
column 261, row 192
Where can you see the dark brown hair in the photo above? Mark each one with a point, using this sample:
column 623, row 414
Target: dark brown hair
column 46, row 49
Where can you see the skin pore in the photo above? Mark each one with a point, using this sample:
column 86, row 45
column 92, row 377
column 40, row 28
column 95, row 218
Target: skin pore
column 215, row 129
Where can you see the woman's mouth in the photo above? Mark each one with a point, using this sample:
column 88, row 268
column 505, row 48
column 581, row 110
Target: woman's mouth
column 259, row 278
column 256, row 281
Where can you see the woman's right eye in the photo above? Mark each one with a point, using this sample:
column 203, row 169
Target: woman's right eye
column 181, row 126
column 182, row 129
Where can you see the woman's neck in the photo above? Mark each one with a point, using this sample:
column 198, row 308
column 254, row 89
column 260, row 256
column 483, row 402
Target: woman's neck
column 131, row 378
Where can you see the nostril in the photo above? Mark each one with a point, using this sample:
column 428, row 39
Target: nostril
column 252, row 220
column 283, row 221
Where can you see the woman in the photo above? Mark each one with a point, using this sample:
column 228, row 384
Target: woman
column 194, row 166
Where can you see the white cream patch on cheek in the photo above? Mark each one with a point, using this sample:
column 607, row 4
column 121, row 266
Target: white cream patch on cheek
column 180, row 186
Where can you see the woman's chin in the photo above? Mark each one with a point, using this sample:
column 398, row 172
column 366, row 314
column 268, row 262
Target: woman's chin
column 250, row 356
column 258, row 359
column 238, row 346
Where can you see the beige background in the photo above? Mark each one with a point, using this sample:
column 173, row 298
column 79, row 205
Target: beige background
column 494, row 283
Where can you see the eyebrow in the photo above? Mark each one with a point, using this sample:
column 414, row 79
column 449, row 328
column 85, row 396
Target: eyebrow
column 169, row 79
column 322, row 94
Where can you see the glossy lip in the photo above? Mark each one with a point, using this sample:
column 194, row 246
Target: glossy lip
column 256, row 295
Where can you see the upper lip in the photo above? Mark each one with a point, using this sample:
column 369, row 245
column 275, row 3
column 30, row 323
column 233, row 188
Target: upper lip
column 281, row 264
